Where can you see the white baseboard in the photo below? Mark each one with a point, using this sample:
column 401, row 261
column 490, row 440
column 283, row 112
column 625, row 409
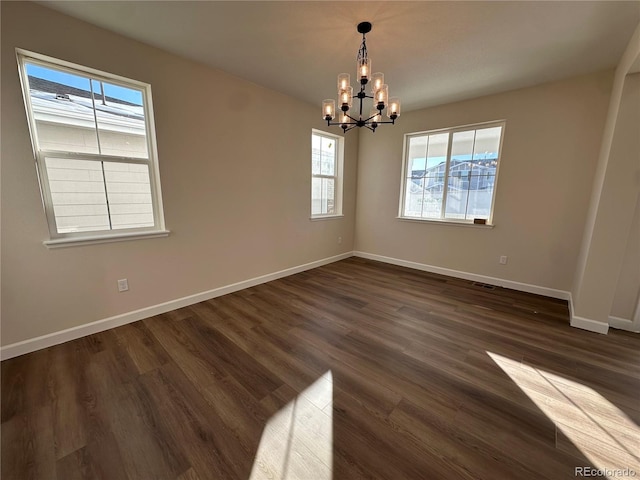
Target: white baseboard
column 623, row 324
column 578, row 322
column 55, row 338
column 591, row 325
column 586, row 323
column 500, row 282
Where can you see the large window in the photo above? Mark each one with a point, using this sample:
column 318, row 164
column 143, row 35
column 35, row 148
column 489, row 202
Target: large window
column 326, row 175
column 451, row 174
column 93, row 139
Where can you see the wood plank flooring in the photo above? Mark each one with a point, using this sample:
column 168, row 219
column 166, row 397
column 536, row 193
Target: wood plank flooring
column 354, row 370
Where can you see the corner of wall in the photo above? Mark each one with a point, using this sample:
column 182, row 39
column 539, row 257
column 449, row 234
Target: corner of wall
column 586, row 323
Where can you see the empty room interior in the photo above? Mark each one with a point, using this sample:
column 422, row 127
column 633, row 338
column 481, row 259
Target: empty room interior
column 320, row 240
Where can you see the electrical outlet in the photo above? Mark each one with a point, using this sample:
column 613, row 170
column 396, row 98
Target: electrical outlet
column 123, row 285
column 339, row 240
column 503, row 260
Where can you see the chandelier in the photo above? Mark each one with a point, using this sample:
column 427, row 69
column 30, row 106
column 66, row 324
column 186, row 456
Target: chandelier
column 379, row 93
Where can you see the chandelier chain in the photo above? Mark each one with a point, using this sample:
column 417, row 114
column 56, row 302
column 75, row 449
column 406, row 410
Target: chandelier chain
column 362, row 53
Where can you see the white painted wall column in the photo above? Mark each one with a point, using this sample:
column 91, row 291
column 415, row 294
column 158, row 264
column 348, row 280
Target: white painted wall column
column 616, row 189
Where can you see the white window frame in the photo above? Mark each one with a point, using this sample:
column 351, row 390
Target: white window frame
column 450, row 131
column 338, row 169
column 98, row 236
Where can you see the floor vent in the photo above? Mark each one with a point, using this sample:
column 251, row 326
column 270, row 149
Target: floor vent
column 484, row 285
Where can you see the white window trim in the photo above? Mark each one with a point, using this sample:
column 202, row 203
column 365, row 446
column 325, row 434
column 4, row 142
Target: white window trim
column 325, row 217
column 450, row 222
column 100, row 236
column 339, row 169
column 451, row 130
column 94, row 239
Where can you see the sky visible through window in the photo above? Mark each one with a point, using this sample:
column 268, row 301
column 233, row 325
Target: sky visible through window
column 76, row 81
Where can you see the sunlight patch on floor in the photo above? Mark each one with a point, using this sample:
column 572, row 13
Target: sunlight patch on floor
column 584, row 419
column 297, row 442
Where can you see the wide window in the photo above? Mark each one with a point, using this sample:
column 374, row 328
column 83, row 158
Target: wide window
column 451, row 174
column 326, row 175
column 93, row 139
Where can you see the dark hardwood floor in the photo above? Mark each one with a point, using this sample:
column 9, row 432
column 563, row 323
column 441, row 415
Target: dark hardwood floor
column 353, row 370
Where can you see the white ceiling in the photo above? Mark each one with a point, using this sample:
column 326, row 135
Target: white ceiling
column 430, row 52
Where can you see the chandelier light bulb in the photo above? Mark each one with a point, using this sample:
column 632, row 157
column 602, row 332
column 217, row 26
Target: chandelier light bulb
column 377, row 80
column 364, row 70
column 393, row 111
column 346, row 98
column 382, row 95
column 328, row 109
column 344, row 81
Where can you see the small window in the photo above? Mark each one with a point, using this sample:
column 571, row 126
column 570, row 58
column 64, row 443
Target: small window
column 451, row 174
column 326, row 174
column 94, row 144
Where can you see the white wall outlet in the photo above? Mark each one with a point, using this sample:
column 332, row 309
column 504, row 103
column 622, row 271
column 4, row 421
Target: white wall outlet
column 503, row 260
column 339, row 240
column 123, row 285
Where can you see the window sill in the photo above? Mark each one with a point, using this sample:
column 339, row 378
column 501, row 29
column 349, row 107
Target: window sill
column 446, row 222
column 324, row 217
column 95, row 239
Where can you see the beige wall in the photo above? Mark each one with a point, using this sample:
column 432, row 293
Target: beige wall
column 550, row 150
column 235, row 184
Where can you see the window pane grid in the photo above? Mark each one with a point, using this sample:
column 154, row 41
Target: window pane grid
column 91, row 136
column 323, row 175
column 99, row 195
column 76, row 113
column 89, row 157
column 451, row 175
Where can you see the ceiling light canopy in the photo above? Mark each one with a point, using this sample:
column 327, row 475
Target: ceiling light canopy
column 379, row 94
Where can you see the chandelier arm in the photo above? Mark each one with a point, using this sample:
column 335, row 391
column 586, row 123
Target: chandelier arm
column 354, row 119
column 355, row 122
column 349, row 128
column 332, row 124
column 362, row 94
column 372, row 116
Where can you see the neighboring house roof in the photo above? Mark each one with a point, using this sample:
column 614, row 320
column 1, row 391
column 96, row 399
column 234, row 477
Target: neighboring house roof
column 44, row 85
column 472, row 164
column 420, row 162
column 62, row 104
